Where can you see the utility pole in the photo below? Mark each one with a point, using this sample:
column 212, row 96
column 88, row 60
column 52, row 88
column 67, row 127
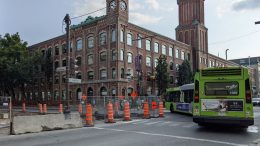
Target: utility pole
column 226, row 53
column 67, row 22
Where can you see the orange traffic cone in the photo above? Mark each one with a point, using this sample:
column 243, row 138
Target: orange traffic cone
column 146, row 111
column 61, row 109
column 40, row 108
column 80, row 109
column 110, row 113
column 23, row 109
column 161, row 113
column 89, row 118
column 127, row 112
column 44, row 108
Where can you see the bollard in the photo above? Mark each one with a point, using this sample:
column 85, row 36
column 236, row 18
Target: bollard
column 89, row 117
column 40, row 108
column 61, row 108
column 110, row 113
column 161, row 113
column 44, row 108
column 127, row 112
column 146, row 111
column 80, row 109
column 23, row 109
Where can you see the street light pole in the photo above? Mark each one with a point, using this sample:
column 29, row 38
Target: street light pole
column 226, row 53
column 67, row 22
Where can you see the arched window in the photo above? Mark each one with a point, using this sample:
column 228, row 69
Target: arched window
column 171, row 65
column 139, row 41
column 78, row 76
column 113, row 35
column 90, row 92
column 163, row 49
column 113, row 73
column 78, row 61
column 79, row 45
column 103, row 74
column 156, row 47
column 103, row 56
column 122, row 36
column 56, row 79
column 79, row 94
column 57, row 50
column 129, row 58
column 64, row 79
column 122, row 73
column 148, row 45
column 56, row 64
column 90, row 75
column 114, row 55
column 90, row 42
column 102, row 38
column 90, row 59
column 155, row 62
column 129, row 39
column 121, row 55
column 170, row 51
column 103, row 91
column 148, row 61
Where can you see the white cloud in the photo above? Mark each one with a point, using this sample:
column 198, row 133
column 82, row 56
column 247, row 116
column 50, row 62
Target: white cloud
column 141, row 19
column 153, row 4
column 86, row 6
column 135, row 5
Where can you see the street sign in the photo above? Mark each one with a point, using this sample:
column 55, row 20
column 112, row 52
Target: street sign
column 73, row 80
column 60, row 69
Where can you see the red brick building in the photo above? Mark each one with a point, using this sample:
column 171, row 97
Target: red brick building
column 106, row 48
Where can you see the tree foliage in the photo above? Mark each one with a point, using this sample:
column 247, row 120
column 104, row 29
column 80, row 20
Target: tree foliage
column 162, row 75
column 185, row 73
column 16, row 68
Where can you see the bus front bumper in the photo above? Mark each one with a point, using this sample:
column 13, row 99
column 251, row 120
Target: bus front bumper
column 224, row 120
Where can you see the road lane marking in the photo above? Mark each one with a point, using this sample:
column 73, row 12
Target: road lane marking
column 171, row 136
column 151, row 123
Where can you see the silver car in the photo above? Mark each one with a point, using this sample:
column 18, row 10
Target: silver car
column 256, row 101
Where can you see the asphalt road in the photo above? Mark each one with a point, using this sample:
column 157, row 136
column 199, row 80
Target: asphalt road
column 174, row 129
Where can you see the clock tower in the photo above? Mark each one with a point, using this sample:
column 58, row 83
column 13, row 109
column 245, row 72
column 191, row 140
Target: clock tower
column 192, row 30
column 118, row 8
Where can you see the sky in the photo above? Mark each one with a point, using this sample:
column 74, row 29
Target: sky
column 230, row 23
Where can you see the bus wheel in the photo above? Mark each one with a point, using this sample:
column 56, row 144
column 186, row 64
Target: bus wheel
column 171, row 108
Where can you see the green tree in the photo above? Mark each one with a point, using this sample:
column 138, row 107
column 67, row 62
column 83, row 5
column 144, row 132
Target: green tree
column 16, row 68
column 185, row 73
column 162, row 75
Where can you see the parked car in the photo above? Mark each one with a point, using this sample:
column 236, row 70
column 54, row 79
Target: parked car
column 256, row 101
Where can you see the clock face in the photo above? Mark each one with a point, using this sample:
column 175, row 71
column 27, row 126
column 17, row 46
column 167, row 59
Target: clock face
column 122, row 5
column 112, row 4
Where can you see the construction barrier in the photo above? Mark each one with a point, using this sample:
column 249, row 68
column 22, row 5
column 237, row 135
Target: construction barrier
column 60, row 108
column 40, row 108
column 45, row 108
column 127, row 112
column 89, row 118
column 110, row 113
column 146, row 111
column 161, row 113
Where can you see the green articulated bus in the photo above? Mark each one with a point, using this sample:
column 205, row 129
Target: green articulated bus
column 223, row 96
column 179, row 99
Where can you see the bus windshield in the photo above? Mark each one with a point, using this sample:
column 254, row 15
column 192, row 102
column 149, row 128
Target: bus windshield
column 222, row 88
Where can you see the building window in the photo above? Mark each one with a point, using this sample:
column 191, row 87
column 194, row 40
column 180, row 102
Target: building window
column 177, row 67
column 155, row 62
column 171, row 65
column 148, row 61
column 156, row 47
column 139, row 41
column 56, row 64
column 163, row 49
column 90, row 42
column 129, row 73
column 171, row 80
column 121, row 55
column 148, row 45
column 182, row 55
column 170, row 51
column 113, row 55
column 78, row 61
column 57, row 51
column 79, row 45
column 102, row 38
column 200, row 59
column 78, row 76
column 213, row 63
column 176, row 53
column 129, row 58
column 103, row 56
column 90, row 59
column 64, row 79
column 71, row 46
column 64, row 48
column 217, row 64
column 56, row 79
column 90, row 75
column 122, row 73
column 129, row 39
column 113, row 73
column 113, row 37
column 188, row 56
column 64, row 62
column 210, row 63
column 122, row 36
column 103, row 74
column 103, row 91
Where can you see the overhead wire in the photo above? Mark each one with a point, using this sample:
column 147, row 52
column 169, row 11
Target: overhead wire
column 75, row 17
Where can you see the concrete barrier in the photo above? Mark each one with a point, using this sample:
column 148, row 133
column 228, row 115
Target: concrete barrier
column 38, row 123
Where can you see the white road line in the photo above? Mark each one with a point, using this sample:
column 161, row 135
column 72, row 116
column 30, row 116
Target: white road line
column 164, row 123
column 171, row 136
column 140, row 122
column 151, row 123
